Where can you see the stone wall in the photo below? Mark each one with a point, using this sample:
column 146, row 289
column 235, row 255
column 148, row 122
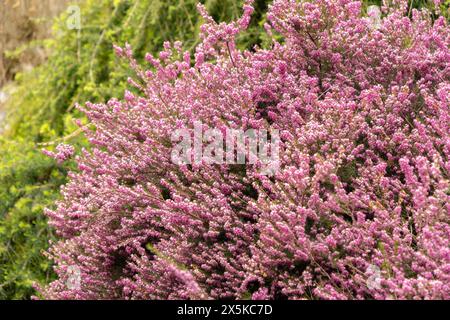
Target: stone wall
column 21, row 22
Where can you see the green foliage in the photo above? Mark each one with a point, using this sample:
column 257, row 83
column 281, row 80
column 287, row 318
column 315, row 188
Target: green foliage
column 28, row 183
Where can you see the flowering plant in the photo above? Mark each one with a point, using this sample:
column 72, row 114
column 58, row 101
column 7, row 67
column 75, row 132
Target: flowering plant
column 359, row 207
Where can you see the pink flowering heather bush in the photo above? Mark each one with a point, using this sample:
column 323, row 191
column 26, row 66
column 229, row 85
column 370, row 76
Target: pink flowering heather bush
column 64, row 152
column 363, row 185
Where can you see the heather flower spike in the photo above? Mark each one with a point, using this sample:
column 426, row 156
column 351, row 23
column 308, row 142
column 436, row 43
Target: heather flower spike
column 64, row 152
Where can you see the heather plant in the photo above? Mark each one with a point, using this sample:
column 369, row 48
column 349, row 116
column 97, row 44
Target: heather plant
column 81, row 66
column 359, row 208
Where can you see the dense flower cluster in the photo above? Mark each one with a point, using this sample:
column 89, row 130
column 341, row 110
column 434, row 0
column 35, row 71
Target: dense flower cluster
column 64, row 152
column 363, row 115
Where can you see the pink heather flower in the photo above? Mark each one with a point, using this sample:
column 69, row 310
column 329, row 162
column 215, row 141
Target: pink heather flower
column 129, row 96
column 64, row 152
column 118, row 50
column 244, row 21
column 358, row 209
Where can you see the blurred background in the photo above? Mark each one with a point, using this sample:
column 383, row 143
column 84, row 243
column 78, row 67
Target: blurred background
column 23, row 23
